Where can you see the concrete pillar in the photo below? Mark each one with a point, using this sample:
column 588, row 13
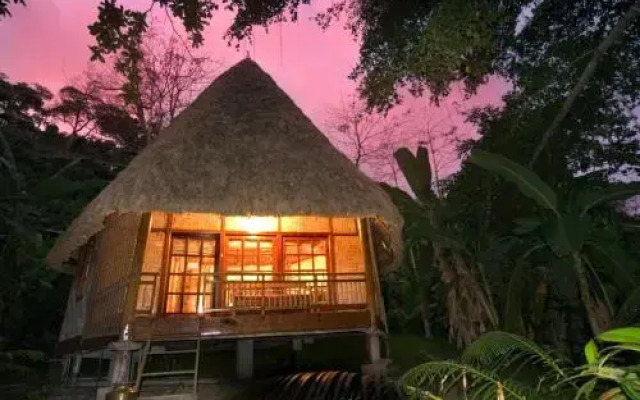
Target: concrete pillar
column 373, row 347
column 244, row 358
column 121, row 361
column 76, row 362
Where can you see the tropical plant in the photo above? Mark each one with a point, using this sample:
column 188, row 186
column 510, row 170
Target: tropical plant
column 604, row 375
column 573, row 231
column 497, row 366
column 470, row 310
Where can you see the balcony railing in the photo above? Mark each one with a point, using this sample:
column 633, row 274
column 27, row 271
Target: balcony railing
column 292, row 291
column 273, row 292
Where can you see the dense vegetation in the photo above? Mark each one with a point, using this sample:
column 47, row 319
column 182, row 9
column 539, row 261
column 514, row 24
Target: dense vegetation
column 529, row 241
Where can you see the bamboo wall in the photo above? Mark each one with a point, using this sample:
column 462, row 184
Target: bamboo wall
column 115, row 269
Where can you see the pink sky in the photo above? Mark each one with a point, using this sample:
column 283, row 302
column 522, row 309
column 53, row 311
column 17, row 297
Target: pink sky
column 47, row 43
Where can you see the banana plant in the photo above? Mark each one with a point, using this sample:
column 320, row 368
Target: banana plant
column 570, row 229
column 470, row 310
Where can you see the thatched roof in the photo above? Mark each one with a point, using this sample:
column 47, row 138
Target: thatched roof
column 242, row 148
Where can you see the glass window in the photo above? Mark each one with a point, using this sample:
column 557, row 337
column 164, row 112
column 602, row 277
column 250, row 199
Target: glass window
column 190, row 281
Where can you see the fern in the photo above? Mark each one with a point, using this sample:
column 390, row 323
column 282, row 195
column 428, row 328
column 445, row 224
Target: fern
column 435, row 378
column 502, row 351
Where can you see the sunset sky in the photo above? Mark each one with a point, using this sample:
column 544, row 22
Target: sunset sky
column 47, row 42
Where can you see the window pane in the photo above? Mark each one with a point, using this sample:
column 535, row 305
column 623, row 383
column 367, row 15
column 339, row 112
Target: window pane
column 207, row 284
column 189, row 303
column 306, row 263
column 193, row 246
column 208, row 248
column 320, row 263
column 145, row 298
column 205, row 303
column 291, row 263
column 208, row 265
column 179, row 246
column 234, row 247
column 320, row 246
column 175, row 283
column 305, row 246
column 193, row 265
column 173, row 303
column 177, row 264
column 191, row 283
column 233, row 263
column 291, row 246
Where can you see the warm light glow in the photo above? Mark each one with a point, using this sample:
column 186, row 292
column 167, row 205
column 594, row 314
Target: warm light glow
column 200, row 305
column 257, row 224
column 192, row 265
column 251, row 224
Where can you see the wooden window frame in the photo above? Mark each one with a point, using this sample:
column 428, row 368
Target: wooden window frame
column 184, row 274
column 220, row 262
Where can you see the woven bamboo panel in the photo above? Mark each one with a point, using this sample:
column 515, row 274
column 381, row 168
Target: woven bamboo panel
column 346, row 226
column 347, row 252
column 196, row 222
column 305, row 224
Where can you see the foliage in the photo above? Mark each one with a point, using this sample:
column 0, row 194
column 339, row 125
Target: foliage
column 500, row 365
column 46, row 178
column 469, row 307
column 571, row 232
column 101, row 104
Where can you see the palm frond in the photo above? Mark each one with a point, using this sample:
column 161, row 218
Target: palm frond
column 499, row 350
column 442, row 377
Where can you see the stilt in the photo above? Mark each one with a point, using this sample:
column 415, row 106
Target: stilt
column 244, row 358
column 76, row 362
column 121, row 361
column 373, row 346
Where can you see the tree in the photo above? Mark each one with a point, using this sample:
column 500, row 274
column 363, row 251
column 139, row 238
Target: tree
column 45, row 183
column 572, row 231
column 104, row 104
column 469, row 305
column 369, row 139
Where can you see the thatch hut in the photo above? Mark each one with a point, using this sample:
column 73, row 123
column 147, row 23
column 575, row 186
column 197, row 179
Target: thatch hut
column 240, row 221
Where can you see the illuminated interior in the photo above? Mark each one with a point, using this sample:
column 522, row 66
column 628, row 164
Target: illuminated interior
column 200, row 263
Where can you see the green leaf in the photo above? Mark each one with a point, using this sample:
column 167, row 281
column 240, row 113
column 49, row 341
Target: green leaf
column 569, row 234
column 513, row 302
column 526, row 225
column 630, row 309
column 591, row 352
column 631, row 389
column 527, row 181
column 587, row 200
column 621, row 335
column 423, row 229
column 406, row 204
column 417, row 171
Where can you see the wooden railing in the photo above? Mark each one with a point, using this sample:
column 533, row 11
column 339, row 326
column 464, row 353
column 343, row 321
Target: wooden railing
column 271, row 292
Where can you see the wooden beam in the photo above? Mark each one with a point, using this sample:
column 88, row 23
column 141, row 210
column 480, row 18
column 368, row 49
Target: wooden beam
column 136, row 268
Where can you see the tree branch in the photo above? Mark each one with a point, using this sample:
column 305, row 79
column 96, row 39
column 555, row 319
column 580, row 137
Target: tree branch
column 587, row 73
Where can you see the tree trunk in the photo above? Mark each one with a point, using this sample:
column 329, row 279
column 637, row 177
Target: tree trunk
column 597, row 316
column 424, row 297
